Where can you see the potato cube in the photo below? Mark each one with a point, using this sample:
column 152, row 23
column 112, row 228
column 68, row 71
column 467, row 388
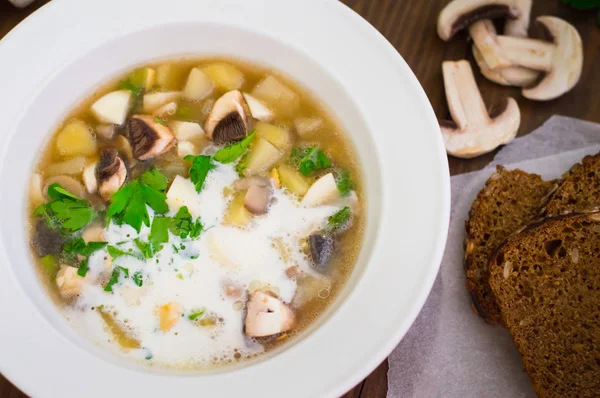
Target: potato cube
column 293, row 180
column 277, row 136
column 225, row 77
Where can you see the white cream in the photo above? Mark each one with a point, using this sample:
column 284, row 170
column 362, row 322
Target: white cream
column 224, row 254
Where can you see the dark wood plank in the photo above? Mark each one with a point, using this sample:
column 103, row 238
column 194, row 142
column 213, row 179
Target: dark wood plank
column 411, row 27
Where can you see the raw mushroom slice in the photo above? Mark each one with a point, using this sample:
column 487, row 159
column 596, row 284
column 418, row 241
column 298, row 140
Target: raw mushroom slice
column 509, row 76
column 518, row 27
column 113, row 107
column 266, row 316
column 473, row 132
column 148, row 138
column 258, row 109
column 322, row 191
column 459, row 14
column 111, row 171
column 106, row 131
column 321, row 250
column 258, row 193
column 227, row 119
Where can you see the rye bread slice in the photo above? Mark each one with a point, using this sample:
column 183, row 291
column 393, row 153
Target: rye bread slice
column 509, row 200
column 579, row 189
column 546, row 280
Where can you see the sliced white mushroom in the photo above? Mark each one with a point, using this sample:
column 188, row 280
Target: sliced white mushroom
column 153, row 101
column 35, row 190
column 198, row 85
column 258, row 109
column 69, row 283
column 68, row 183
column 113, row 107
column 89, row 177
column 473, row 132
column 258, row 193
column 147, row 137
column 227, row 119
column 518, row 27
column 182, row 192
column 187, row 130
column 509, row 76
column 106, row 131
column 111, row 171
column 321, row 192
column 307, row 125
column 167, row 109
column 267, row 315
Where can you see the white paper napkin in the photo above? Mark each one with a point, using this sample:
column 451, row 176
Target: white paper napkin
column 450, row 351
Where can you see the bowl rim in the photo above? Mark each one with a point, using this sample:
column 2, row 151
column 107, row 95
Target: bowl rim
column 45, row 16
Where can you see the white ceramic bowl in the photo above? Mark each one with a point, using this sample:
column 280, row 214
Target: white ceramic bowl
column 64, row 50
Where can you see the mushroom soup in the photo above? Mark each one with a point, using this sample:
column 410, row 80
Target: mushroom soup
column 196, row 213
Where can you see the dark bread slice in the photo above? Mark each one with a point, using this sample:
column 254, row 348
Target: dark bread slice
column 579, row 189
column 509, row 200
column 546, row 280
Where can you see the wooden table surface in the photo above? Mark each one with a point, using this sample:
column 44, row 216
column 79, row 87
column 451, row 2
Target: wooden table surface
column 411, row 27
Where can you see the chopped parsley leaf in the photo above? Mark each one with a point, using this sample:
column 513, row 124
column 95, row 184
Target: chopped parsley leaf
column 144, row 247
column 159, row 233
column 183, row 226
column 339, row 219
column 114, row 278
column 232, row 152
column 242, row 164
column 138, row 278
column 310, row 159
column 115, row 252
column 78, row 246
column 65, row 211
column 83, row 268
column 201, row 165
column 129, row 202
column 175, row 249
column 160, row 121
column 196, row 313
column 344, row 183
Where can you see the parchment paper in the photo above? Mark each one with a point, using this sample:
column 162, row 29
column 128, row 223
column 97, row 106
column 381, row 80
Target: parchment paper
column 450, row 351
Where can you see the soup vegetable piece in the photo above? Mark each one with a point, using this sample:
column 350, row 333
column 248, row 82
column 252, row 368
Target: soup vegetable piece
column 196, row 213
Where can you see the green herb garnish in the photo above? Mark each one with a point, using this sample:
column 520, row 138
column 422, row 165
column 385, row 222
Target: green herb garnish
column 182, row 224
column 83, row 268
column 196, row 314
column 242, row 164
column 344, row 183
column 339, row 219
column 231, row 152
column 65, row 211
column 129, row 202
column 145, row 248
column 159, row 233
column 115, row 252
column 175, row 249
column 160, row 121
column 138, row 278
column 114, row 278
column 310, row 159
column 201, row 165
column 78, row 246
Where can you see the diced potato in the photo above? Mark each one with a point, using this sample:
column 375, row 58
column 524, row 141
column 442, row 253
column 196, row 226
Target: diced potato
column 75, row 139
column 183, row 193
column 236, row 213
column 168, row 315
column 154, row 101
column 118, row 332
column 198, row 85
column 282, row 98
column 262, row 157
column 170, row 76
column 277, row 136
column 35, row 190
column 143, row 77
column 225, row 77
column 70, row 167
column 307, row 125
column 293, row 180
column 113, row 107
column 187, row 130
column 185, row 148
column 166, row 110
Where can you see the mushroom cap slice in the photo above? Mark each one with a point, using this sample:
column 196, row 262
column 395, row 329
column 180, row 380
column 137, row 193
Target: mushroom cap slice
column 518, row 27
column 473, row 132
column 321, row 250
column 111, row 171
column 258, row 193
column 148, row 139
column 267, row 315
column 459, row 14
column 227, row 119
column 511, row 76
column 567, row 61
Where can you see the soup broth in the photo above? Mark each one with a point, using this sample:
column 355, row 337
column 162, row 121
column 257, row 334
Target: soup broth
column 194, row 213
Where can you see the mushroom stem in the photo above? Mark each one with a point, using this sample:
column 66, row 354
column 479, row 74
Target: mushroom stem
column 484, row 36
column 464, row 99
column 529, row 53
